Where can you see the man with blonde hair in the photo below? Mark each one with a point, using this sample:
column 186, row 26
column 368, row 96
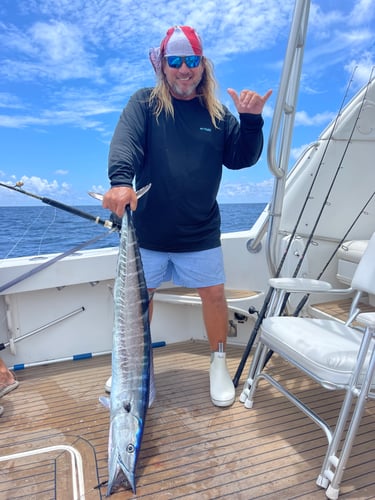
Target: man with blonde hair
column 177, row 136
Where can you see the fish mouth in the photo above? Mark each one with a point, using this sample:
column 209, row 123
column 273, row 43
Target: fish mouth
column 122, row 478
column 130, row 479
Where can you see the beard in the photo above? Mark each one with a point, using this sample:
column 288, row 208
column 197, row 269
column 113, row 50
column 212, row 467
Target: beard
column 183, row 90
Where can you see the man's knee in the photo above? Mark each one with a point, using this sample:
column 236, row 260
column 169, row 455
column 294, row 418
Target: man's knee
column 212, row 293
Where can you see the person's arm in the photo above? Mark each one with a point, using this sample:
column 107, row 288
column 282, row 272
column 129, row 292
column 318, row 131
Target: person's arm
column 127, row 146
column 126, row 154
column 244, row 140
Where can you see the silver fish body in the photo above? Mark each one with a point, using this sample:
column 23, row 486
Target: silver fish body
column 131, row 359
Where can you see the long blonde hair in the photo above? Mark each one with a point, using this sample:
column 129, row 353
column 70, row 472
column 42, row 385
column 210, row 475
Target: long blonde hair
column 160, row 96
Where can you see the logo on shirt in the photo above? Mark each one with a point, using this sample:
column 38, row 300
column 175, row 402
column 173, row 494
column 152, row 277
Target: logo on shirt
column 205, row 129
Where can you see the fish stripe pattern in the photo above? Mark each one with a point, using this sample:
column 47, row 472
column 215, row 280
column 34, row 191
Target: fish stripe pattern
column 131, row 362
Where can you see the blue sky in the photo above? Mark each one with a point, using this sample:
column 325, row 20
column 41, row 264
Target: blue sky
column 68, row 67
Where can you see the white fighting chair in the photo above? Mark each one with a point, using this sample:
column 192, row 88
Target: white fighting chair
column 336, row 355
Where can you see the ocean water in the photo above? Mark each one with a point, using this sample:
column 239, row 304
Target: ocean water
column 37, row 230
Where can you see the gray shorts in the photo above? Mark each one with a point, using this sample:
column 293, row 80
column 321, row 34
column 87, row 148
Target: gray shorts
column 188, row 269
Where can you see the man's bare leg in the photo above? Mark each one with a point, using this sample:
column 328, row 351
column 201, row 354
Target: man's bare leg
column 215, row 316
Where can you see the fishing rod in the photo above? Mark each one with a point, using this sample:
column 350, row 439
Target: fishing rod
column 306, row 296
column 67, row 208
column 308, row 195
column 263, row 311
column 325, row 201
column 114, row 225
column 308, row 243
column 57, row 204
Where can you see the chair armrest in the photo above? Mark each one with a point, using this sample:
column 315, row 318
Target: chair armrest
column 300, row 285
column 306, row 285
column 366, row 319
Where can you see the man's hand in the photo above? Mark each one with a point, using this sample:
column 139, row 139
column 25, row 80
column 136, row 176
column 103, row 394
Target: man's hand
column 249, row 101
column 117, row 198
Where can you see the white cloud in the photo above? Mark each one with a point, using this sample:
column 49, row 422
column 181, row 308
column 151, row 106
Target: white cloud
column 99, row 189
column 46, row 50
column 75, row 63
column 75, row 36
column 267, row 111
column 246, row 192
column 303, row 118
column 295, row 153
column 62, row 50
column 105, row 45
column 362, row 69
column 323, row 20
column 9, row 101
column 79, row 114
column 363, row 12
column 336, row 33
column 36, row 185
column 43, row 187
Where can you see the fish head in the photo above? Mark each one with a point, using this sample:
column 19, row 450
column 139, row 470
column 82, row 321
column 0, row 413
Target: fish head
column 126, row 430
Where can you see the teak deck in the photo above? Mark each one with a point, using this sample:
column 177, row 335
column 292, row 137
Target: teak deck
column 339, row 309
column 190, row 449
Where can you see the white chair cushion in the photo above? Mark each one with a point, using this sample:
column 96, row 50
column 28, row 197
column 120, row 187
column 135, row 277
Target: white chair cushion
column 325, row 348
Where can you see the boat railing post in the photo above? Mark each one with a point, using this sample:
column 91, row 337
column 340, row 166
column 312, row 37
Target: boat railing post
column 283, row 121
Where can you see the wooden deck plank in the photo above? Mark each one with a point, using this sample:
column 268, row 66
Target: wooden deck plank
column 190, row 449
column 339, row 309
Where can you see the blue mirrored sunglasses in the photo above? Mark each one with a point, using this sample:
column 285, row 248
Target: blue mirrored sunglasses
column 190, row 61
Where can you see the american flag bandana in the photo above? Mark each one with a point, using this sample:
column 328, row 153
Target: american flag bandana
column 179, row 41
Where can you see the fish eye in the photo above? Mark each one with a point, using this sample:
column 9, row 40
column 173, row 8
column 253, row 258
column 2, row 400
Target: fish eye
column 130, row 448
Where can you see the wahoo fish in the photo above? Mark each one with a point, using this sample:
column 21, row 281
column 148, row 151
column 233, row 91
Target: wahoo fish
column 131, row 362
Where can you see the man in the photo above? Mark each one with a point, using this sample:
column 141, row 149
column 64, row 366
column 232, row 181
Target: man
column 177, row 136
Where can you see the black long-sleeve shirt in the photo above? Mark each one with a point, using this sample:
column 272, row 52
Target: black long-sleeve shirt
column 182, row 158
